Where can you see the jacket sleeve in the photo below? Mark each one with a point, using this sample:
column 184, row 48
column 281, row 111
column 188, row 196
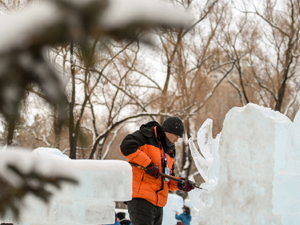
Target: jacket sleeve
column 178, row 216
column 130, row 148
column 173, row 185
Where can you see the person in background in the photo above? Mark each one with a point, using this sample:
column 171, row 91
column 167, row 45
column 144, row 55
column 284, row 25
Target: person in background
column 121, row 218
column 151, row 151
column 184, row 217
column 116, row 221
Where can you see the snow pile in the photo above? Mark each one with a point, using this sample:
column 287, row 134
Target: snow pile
column 25, row 162
column 101, row 183
column 49, row 153
column 258, row 180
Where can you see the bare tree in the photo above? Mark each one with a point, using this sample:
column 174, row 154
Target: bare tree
column 192, row 72
column 268, row 63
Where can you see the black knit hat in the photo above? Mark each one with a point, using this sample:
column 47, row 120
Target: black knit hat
column 173, row 125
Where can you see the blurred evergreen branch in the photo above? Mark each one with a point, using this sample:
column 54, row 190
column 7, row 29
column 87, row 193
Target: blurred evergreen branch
column 32, row 183
column 22, row 60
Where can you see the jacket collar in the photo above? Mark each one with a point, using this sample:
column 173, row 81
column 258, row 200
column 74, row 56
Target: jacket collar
column 153, row 128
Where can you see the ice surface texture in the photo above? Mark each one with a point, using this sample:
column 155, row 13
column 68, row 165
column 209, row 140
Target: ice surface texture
column 101, row 183
column 255, row 169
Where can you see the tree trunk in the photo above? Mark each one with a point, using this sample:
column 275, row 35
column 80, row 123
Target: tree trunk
column 72, row 133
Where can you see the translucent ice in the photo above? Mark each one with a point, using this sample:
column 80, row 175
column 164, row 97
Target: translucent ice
column 258, row 178
column 207, row 163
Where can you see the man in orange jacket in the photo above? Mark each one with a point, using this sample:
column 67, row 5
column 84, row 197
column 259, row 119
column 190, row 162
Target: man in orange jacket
column 152, row 147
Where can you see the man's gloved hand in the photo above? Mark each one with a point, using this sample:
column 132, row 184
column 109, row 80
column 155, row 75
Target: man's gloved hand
column 153, row 170
column 186, row 185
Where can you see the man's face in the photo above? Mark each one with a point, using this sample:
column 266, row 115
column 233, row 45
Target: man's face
column 172, row 137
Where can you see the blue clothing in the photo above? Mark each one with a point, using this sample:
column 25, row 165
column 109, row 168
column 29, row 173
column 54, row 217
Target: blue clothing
column 184, row 217
column 116, row 223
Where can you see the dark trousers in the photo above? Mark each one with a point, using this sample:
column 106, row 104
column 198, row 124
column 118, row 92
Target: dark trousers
column 142, row 212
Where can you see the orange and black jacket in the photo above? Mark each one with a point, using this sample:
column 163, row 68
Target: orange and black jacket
column 143, row 147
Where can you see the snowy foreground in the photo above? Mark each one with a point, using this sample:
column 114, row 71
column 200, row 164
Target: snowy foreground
column 251, row 169
column 101, row 184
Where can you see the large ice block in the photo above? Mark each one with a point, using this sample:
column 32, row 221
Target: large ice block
column 102, row 179
column 92, row 202
column 259, row 170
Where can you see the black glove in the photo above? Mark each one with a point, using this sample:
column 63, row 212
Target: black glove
column 186, row 185
column 153, row 170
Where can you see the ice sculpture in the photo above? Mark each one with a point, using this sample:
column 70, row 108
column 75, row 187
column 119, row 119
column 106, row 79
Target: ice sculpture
column 251, row 169
column 207, row 163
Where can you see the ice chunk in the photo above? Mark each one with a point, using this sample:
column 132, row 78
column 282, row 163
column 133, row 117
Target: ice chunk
column 204, row 139
column 259, row 175
column 49, row 152
column 203, row 159
column 101, row 183
column 26, row 162
column 207, row 163
column 296, row 128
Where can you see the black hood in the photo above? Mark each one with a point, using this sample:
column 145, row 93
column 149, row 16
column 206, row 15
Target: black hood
column 147, row 130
